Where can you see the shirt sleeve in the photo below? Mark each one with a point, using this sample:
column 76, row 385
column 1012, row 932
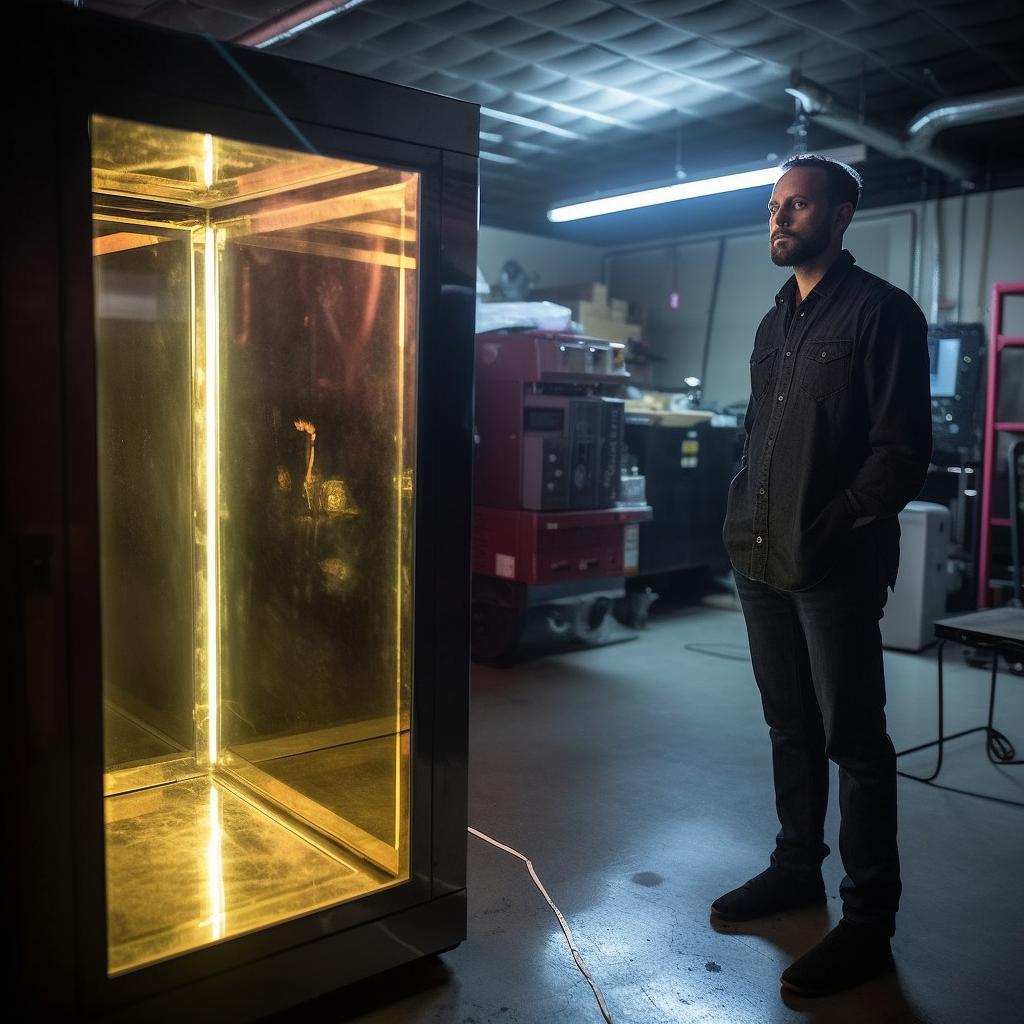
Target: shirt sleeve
column 748, row 422
column 898, row 403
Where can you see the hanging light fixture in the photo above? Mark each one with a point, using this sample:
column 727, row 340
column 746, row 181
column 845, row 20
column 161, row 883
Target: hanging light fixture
column 664, row 194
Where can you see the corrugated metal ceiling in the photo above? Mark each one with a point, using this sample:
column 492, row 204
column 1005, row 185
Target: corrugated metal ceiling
column 581, row 96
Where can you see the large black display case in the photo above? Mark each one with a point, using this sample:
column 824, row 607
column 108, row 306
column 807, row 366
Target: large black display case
column 238, row 311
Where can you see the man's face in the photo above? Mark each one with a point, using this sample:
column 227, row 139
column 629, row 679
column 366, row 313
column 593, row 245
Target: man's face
column 800, row 222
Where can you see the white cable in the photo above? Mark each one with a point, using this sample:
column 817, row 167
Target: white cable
column 561, row 920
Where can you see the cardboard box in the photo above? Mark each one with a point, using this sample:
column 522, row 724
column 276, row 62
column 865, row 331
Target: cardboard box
column 568, row 294
column 608, row 329
column 592, row 309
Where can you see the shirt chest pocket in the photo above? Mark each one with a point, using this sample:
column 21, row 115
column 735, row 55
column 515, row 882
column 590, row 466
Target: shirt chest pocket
column 762, row 362
column 825, row 369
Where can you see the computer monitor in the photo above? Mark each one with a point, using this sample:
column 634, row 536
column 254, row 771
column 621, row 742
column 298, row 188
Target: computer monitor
column 943, row 363
column 955, row 354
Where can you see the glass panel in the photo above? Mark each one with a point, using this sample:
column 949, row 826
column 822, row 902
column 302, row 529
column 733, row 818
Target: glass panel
column 255, row 331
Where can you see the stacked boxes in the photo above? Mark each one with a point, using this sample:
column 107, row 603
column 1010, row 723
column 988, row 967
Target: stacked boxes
column 593, row 311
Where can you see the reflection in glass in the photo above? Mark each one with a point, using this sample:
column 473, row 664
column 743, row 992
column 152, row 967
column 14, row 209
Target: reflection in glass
column 255, row 331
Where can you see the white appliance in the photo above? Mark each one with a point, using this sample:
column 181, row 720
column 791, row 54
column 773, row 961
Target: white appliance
column 920, row 595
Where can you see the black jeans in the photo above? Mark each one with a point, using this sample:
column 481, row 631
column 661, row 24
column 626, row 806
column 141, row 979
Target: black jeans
column 817, row 657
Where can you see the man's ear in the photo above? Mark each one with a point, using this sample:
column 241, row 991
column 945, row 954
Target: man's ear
column 842, row 216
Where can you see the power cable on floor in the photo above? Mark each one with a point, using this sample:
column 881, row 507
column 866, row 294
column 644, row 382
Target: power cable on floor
column 561, row 920
column 1000, row 746
column 715, row 651
column 962, row 792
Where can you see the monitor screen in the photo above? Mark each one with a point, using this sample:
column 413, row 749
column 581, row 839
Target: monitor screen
column 943, row 360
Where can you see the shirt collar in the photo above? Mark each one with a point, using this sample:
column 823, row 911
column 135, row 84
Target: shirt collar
column 835, row 273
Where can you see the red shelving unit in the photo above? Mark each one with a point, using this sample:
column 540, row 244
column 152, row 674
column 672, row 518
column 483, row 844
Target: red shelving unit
column 993, row 428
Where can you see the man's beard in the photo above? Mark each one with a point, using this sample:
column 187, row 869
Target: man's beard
column 800, row 250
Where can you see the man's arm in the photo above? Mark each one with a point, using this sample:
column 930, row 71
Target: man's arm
column 748, row 423
column 898, row 409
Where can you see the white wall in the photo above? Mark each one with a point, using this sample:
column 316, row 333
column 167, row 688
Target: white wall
column 897, row 243
column 552, row 261
column 750, row 282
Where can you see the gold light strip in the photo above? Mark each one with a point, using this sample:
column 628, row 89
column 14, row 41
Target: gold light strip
column 293, row 805
column 208, row 161
column 281, row 242
column 215, row 869
column 159, row 772
column 121, row 241
column 313, row 213
column 211, row 392
column 400, row 545
column 259, row 751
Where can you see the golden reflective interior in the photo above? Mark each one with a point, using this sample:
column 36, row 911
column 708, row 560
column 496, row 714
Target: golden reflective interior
column 255, row 332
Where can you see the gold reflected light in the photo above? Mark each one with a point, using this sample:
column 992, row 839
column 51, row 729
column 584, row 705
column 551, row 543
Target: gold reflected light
column 215, row 869
column 211, row 422
column 282, row 814
column 207, row 161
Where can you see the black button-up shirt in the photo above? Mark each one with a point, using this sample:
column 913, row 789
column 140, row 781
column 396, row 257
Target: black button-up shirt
column 838, row 427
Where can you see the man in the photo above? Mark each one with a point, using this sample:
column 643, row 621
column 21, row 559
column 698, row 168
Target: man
column 838, row 441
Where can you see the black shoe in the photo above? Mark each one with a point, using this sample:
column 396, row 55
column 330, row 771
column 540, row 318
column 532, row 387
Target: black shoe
column 771, row 892
column 849, row 955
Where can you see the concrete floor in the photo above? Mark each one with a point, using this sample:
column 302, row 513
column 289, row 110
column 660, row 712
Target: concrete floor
column 636, row 777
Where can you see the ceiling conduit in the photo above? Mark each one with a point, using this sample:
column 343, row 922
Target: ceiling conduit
column 917, row 144
column 820, row 105
column 991, row 106
column 288, row 25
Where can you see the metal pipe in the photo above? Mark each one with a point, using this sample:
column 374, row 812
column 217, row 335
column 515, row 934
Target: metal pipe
column 712, row 307
column 921, row 219
column 962, row 256
column 824, row 108
column 288, row 25
column 937, row 262
column 992, row 106
column 986, row 243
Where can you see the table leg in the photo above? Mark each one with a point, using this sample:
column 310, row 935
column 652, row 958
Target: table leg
column 998, row 746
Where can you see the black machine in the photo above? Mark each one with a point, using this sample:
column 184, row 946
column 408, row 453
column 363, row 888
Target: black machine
column 955, row 356
column 687, row 470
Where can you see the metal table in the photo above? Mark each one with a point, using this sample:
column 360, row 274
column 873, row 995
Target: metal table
column 1000, row 630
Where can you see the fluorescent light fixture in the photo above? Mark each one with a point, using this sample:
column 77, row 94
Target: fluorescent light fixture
column 665, row 194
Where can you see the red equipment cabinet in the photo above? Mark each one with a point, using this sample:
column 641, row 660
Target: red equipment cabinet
column 538, row 547
column 548, row 534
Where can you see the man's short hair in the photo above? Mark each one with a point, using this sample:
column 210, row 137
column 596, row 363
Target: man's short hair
column 842, row 183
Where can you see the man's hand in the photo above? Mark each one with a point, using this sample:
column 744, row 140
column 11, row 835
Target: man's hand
column 863, row 521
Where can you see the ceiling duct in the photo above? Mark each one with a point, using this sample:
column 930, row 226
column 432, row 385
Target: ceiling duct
column 823, row 107
column 294, row 21
column 990, row 106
